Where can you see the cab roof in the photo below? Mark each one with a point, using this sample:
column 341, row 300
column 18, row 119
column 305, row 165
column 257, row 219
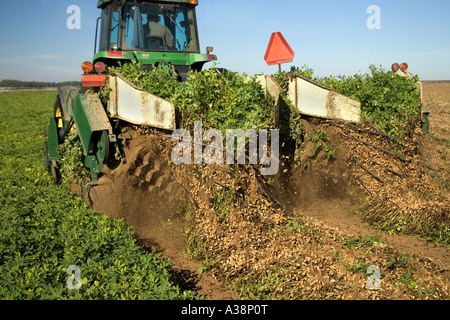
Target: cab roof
column 104, row 3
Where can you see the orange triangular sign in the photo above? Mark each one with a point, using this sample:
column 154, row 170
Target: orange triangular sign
column 278, row 50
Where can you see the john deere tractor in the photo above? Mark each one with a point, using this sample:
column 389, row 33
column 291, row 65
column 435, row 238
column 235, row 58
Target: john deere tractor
column 154, row 33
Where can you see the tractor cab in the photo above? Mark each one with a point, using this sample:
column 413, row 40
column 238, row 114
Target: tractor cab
column 149, row 26
column 150, row 32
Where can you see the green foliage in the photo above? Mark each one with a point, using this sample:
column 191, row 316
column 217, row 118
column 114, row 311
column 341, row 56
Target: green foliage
column 45, row 229
column 321, row 139
column 8, row 83
column 406, row 264
column 222, row 202
column 390, row 102
column 361, row 241
column 432, row 224
column 223, row 101
column 71, row 163
column 359, row 266
column 319, row 136
column 329, row 152
column 304, row 71
column 228, row 100
column 408, row 279
column 403, row 261
column 290, row 119
column 160, row 81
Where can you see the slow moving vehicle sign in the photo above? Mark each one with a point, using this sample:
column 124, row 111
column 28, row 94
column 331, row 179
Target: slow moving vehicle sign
column 278, row 51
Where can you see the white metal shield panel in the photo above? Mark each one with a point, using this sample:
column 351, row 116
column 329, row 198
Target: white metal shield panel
column 132, row 104
column 308, row 98
column 312, row 99
column 344, row 108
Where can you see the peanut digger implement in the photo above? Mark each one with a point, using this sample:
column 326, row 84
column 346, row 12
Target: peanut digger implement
column 154, row 33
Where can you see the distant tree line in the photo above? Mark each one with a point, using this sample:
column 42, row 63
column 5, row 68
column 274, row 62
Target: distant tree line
column 36, row 84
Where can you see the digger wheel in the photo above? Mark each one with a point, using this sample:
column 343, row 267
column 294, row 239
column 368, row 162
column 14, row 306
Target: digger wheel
column 54, row 172
column 103, row 147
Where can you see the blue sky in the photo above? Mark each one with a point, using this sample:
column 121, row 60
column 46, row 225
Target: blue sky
column 327, row 35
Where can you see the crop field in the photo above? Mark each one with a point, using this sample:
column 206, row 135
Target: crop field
column 45, row 229
column 340, row 220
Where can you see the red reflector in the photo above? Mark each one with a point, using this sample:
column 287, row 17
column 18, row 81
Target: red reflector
column 211, row 56
column 100, row 67
column 93, row 80
column 115, row 54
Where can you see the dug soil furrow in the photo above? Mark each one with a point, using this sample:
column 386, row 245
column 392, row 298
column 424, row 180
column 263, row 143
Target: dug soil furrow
column 144, row 193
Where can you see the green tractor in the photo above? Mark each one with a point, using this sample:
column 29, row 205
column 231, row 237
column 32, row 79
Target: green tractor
column 154, row 33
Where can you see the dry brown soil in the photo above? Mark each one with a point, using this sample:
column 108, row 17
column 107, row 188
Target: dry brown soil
column 145, row 192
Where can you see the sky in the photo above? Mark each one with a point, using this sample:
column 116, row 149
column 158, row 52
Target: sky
column 332, row 37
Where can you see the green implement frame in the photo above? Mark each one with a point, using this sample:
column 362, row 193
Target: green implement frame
column 94, row 129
